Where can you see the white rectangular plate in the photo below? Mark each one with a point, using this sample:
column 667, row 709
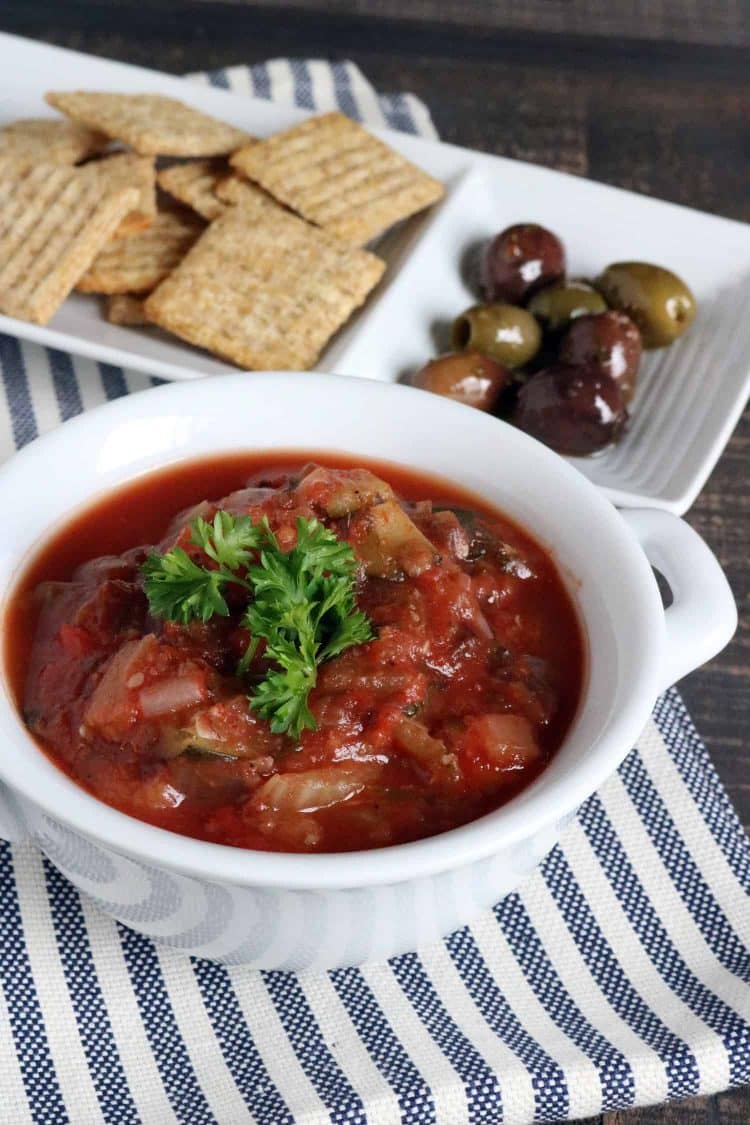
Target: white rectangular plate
column 689, row 396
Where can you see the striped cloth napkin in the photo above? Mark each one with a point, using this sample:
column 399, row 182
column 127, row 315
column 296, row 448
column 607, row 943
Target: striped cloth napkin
column 618, row 976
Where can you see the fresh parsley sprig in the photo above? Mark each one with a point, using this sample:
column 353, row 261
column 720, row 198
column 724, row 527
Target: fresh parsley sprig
column 229, row 540
column 302, row 603
column 180, row 590
column 304, row 608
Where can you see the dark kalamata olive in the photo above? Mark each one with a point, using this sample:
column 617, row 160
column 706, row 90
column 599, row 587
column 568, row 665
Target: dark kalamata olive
column 520, row 260
column 607, row 343
column 558, row 305
column 468, row 377
column 507, row 333
column 571, row 409
column 657, row 300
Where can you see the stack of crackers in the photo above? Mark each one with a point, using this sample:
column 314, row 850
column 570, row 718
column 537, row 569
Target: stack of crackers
column 250, row 248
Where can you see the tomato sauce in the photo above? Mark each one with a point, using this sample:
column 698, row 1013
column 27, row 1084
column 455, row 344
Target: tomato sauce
column 466, row 691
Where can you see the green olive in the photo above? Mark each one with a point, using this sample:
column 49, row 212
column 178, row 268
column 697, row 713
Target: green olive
column 657, row 300
column 559, row 304
column 507, row 333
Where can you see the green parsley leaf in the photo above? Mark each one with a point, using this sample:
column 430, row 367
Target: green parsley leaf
column 305, row 610
column 282, row 696
column 229, row 540
column 180, row 590
column 303, row 603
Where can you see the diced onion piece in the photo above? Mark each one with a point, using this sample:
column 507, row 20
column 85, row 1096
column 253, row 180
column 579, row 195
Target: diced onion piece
column 472, row 614
column 430, row 753
column 466, row 606
column 111, row 710
column 416, row 740
column 170, row 695
column 508, row 741
column 157, row 794
column 309, row 790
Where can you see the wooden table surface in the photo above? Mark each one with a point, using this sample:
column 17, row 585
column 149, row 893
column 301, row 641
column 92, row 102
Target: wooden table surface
column 651, row 95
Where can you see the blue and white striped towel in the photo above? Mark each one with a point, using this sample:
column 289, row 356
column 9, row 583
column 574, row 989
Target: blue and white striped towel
column 618, row 976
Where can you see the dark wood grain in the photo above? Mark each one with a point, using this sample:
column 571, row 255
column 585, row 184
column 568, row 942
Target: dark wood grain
column 651, row 95
column 726, row 23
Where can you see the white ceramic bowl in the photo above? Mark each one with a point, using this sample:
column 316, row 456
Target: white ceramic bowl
column 274, row 910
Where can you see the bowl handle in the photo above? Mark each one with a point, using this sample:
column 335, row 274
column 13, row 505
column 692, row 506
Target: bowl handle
column 703, row 616
column 11, row 822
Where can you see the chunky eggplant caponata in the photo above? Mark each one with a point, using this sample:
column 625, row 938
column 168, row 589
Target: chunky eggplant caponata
column 321, row 658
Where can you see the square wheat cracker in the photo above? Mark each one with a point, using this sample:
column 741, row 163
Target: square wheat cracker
column 337, row 175
column 50, row 141
column 194, row 184
column 138, row 263
column 236, row 189
column 126, row 310
column 152, row 124
column 264, row 289
column 53, row 222
column 127, row 169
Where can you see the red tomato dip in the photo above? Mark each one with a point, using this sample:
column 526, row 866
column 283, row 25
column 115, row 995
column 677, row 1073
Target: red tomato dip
column 466, row 691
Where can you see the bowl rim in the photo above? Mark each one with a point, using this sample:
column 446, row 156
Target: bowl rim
column 64, row 801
